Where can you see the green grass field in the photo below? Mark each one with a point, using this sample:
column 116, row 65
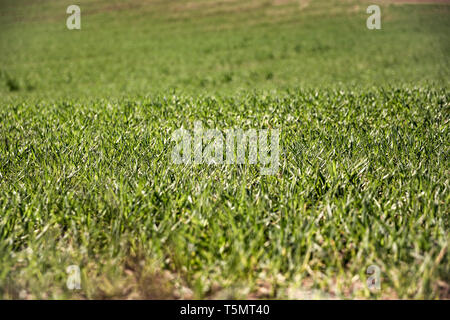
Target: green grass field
column 86, row 177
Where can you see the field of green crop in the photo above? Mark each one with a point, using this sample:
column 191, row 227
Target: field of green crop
column 87, row 179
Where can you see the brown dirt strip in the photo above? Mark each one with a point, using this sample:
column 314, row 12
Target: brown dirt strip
column 420, row 1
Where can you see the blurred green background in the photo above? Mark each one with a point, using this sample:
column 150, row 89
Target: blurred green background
column 143, row 47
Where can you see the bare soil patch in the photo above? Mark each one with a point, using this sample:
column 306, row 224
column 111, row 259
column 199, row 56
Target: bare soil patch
column 420, row 1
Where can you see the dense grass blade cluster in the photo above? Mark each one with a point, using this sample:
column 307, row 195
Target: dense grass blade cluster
column 363, row 179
